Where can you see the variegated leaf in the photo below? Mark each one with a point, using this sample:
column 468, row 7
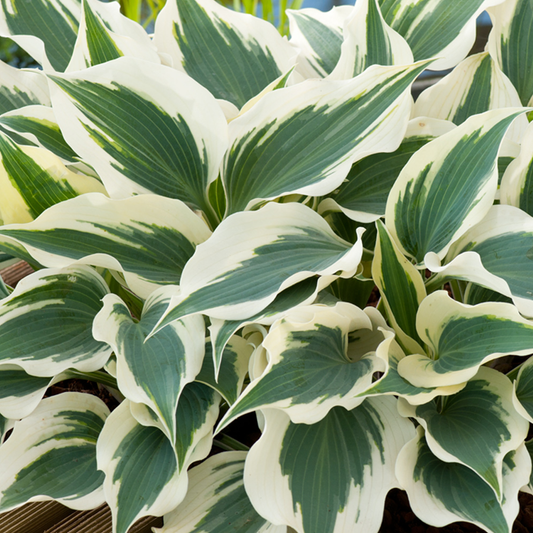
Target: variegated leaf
column 441, row 493
column 147, row 237
column 318, row 37
column 523, row 390
column 154, row 371
column 233, row 368
column 517, row 182
column 461, row 338
column 285, row 145
column 510, row 44
column 144, row 474
column 369, row 40
column 312, row 365
column 393, row 383
column 196, row 416
column 46, row 29
column 105, row 34
column 476, row 427
column 253, row 256
column 302, row 293
column 232, row 54
column 216, row 500
column 363, row 194
column 401, row 287
column 20, row 393
column 529, row 487
column 37, row 124
column 497, row 254
column 5, row 425
column 445, row 29
column 166, row 134
column 476, row 294
column 51, row 454
column 11, row 249
column 443, row 190
column 141, row 470
column 22, row 87
column 46, row 323
column 4, row 291
column 345, row 462
column 476, row 85
column 25, row 169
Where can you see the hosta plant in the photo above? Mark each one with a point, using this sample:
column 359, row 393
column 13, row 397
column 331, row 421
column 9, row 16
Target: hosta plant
column 208, row 211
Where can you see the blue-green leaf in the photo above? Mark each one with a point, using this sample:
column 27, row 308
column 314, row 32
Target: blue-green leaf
column 47, row 29
column 166, row 134
column 216, row 501
column 304, row 138
column 441, row 493
column 46, row 323
column 51, row 454
column 147, row 237
column 444, row 190
column 345, row 462
column 233, row 55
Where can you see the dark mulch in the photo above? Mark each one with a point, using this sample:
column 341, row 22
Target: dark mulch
column 87, row 387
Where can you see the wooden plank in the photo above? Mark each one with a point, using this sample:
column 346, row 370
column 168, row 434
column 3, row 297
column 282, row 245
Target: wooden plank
column 99, row 521
column 33, row 517
column 13, row 274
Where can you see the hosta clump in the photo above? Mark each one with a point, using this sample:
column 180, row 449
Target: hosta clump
column 207, row 212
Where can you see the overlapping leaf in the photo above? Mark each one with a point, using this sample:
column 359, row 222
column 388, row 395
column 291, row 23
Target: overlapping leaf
column 441, row 493
column 304, row 138
column 51, row 454
column 445, row 29
column 312, row 366
column 300, row 294
column 105, row 34
column 143, row 127
column 4, row 291
column 496, row 253
column 476, row 85
column 5, row 425
column 369, row 40
column 352, row 454
column 229, row 380
column 393, row 383
column 141, row 471
column 46, row 323
column 510, row 44
column 318, row 37
column 147, row 237
column 22, row 88
column 233, row 55
column 216, row 500
column 523, row 390
column 154, row 371
column 517, row 182
column 476, row 427
column 363, row 194
column 401, row 287
column 253, row 256
column 38, row 125
column 461, row 338
column 20, row 393
column 443, row 190
column 23, row 169
column 145, row 474
column 46, row 29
